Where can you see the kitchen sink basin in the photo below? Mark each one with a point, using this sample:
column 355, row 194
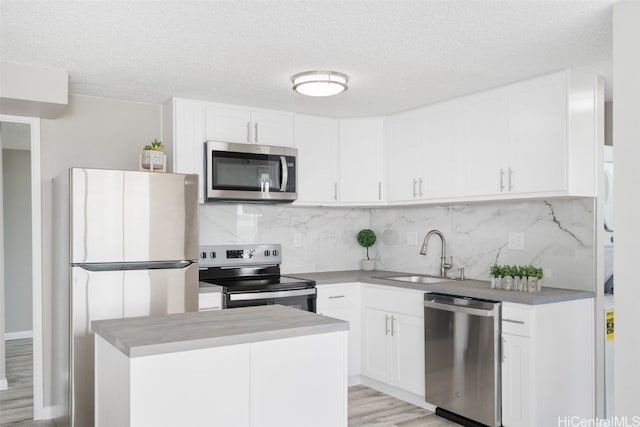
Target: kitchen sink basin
column 424, row 280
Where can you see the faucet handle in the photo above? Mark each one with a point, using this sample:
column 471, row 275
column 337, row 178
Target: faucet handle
column 447, row 264
column 461, row 269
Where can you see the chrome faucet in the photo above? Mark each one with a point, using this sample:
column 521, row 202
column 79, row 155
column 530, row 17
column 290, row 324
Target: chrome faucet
column 444, row 265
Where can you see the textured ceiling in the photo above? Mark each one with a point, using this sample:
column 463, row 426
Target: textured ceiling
column 398, row 54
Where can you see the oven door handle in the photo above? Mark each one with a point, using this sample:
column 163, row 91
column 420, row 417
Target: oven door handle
column 285, row 173
column 270, row 295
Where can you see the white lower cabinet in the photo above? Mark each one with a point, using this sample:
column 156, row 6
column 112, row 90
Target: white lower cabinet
column 393, row 337
column 547, row 363
column 342, row 301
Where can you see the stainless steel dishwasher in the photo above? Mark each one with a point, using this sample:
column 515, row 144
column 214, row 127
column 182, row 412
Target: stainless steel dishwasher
column 462, row 358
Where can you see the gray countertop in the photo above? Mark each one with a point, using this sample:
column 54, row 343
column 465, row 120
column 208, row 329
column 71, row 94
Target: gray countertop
column 468, row 288
column 146, row 336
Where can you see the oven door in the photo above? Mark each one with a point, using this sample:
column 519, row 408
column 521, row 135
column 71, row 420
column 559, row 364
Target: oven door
column 303, row 299
column 250, row 172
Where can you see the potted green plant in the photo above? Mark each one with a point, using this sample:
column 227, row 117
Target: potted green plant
column 366, row 238
column 496, row 276
column 152, row 156
column 534, row 281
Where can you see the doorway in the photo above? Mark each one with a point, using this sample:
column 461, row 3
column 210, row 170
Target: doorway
column 20, row 236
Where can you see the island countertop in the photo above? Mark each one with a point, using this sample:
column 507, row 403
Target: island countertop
column 146, row 336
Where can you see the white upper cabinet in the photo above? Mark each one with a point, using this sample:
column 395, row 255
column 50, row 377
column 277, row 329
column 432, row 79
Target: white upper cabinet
column 317, row 144
column 421, row 149
column 484, row 142
column 361, row 160
column 234, row 124
column 402, row 147
column 183, row 125
column 531, row 138
column 438, row 157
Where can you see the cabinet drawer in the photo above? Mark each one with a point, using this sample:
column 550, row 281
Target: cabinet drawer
column 517, row 320
column 330, row 297
column 405, row 301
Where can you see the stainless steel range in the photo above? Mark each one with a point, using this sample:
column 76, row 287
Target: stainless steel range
column 250, row 275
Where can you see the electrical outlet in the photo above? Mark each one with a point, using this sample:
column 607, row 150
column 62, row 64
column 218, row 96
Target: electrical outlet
column 412, row 238
column 297, row 240
column 516, row 241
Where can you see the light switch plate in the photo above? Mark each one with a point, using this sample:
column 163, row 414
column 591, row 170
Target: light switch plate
column 297, row 240
column 516, row 241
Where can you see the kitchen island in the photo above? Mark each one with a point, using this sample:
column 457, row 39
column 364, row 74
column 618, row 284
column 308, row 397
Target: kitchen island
column 266, row 366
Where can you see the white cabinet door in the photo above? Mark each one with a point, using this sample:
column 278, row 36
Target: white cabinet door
column 312, row 366
column 317, row 143
column 227, row 124
column 484, row 142
column 244, row 126
column 376, row 355
column 188, row 140
column 402, row 144
column 342, row 301
column 408, row 332
column 516, row 384
column 538, row 143
column 272, row 128
column 361, row 160
column 437, row 153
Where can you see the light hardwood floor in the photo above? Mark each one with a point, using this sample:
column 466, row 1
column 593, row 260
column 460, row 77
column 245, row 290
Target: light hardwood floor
column 367, row 407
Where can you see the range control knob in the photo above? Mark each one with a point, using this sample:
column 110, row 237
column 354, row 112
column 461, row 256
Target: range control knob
column 267, row 252
column 212, row 255
column 275, row 252
column 203, row 255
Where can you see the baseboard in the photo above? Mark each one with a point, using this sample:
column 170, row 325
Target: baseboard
column 4, row 385
column 414, row 399
column 20, row 335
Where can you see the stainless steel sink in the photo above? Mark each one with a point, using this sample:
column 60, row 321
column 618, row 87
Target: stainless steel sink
column 424, row 280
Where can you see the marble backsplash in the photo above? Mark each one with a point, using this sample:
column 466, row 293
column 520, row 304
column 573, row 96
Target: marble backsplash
column 558, row 236
column 327, row 235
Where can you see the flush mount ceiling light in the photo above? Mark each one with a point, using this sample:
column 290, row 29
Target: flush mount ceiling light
column 320, row 83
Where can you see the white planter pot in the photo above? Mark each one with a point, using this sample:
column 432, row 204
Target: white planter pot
column 152, row 157
column 368, row 265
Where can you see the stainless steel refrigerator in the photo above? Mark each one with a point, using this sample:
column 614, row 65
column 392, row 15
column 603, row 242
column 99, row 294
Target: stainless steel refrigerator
column 125, row 245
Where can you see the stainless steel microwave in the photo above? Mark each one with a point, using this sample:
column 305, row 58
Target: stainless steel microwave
column 250, row 172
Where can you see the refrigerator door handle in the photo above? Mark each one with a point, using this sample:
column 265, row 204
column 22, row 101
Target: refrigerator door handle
column 110, row 266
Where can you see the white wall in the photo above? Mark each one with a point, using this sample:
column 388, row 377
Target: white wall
column 16, row 168
column 96, row 133
column 626, row 134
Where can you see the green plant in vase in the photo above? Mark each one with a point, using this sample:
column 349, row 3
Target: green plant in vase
column 366, row 238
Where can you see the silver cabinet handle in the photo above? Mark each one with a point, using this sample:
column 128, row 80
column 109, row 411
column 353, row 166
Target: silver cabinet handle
column 503, row 342
column 501, row 180
column 519, row 322
column 415, row 181
column 255, row 133
column 335, row 191
column 285, row 173
column 248, row 132
column 379, row 190
column 420, row 187
column 386, row 325
column 392, row 326
column 510, row 180
column 337, row 296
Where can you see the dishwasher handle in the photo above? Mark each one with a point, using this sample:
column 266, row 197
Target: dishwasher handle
column 460, row 308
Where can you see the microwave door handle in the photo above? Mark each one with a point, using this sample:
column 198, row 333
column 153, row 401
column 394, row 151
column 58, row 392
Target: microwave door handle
column 285, row 173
